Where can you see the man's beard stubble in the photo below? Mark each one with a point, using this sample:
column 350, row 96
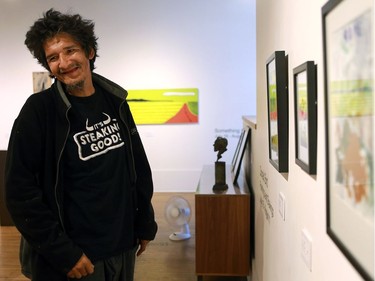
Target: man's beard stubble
column 76, row 86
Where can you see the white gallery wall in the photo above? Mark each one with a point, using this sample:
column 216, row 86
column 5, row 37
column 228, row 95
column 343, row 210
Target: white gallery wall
column 295, row 27
column 144, row 44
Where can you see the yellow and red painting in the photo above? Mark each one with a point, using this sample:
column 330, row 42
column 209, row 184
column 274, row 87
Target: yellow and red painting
column 164, row 106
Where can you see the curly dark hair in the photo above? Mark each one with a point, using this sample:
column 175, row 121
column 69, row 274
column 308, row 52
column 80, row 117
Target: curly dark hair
column 53, row 23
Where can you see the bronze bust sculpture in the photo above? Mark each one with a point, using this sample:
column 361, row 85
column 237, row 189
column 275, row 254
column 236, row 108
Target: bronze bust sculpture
column 220, row 146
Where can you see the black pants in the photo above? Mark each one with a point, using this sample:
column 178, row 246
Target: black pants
column 118, row 268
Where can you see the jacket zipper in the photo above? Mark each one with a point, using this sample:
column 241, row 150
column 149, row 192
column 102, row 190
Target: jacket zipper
column 130, row 140
column 58, row 171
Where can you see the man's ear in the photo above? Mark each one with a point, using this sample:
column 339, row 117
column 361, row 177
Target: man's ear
column 91, row 54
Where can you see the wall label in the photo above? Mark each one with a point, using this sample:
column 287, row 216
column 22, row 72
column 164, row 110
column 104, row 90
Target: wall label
column 264, row 199
column 228, row 133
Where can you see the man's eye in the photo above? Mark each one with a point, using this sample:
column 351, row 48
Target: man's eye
column 71, row 51
column 52, row 59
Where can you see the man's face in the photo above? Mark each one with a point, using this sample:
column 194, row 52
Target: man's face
column 67, row 61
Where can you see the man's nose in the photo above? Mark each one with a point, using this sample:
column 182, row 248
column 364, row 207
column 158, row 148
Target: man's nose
column 64, row 63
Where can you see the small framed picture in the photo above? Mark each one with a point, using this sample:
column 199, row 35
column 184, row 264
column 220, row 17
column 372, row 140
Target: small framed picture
column 304, row 78
column 41, row 80
column 236, row 152
column 277, row 94
column 239, row 153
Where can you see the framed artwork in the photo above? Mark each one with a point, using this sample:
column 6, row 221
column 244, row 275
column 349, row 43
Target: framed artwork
column 240, row 151
column 41, row 81
column 304, row 79
column 164, row 106
column 348, row 55
column 277, row 98
column 235, row 155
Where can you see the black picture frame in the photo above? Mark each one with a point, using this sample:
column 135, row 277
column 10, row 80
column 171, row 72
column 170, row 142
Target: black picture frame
column 236, row 152
column 305, row 115
column 241, row 147
column 348, row 94
column 278, row 115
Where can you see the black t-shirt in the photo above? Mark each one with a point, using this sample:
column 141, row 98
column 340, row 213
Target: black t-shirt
column 97, row 200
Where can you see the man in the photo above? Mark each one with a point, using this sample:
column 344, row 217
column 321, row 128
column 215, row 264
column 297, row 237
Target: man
column 78, row 182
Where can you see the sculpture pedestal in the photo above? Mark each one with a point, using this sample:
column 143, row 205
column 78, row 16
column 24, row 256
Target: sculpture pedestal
column 220, row 183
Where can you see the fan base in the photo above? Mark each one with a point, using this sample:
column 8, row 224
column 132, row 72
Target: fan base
column 179, row 236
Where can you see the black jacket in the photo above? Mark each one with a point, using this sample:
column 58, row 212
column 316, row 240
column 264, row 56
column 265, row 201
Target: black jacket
column 32, row 183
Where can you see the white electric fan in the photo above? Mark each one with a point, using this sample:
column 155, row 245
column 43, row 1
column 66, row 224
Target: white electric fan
column 177, row 213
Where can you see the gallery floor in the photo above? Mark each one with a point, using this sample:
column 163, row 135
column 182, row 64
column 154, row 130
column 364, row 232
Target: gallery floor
column 163, row 260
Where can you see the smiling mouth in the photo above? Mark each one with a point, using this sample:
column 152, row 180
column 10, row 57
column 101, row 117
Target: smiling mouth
column 69, row 70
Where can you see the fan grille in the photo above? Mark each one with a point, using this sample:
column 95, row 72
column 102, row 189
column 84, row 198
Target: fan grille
column 177, row 211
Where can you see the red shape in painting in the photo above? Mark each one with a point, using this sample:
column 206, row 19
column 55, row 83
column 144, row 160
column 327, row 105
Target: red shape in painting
column 184, row 116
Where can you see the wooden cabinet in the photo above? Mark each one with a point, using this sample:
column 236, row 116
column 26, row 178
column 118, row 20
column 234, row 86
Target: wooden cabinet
column 5, row 219
column 222, row 228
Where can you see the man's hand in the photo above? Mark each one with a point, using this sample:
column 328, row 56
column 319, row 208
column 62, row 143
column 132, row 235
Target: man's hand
column 142, row 246
column 82, row 268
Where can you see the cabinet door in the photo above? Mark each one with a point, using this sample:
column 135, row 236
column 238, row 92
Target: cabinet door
column 222, row 234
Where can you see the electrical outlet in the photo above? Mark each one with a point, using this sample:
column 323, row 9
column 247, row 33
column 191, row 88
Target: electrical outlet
column 306, row 248
column 282, row 205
